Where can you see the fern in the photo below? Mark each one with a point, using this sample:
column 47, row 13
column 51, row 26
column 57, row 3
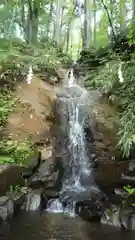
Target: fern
column 122, row 95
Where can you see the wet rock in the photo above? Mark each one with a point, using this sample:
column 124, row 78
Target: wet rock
column 111, row 217
column 119, row 192
column 128, row 178
column 18, row 201
column 33, row 161
column 53, row 80
column 67, row 92
column 44, row 176
column 6, row 208
column 46, row 153
column 51, row 194
column 121, row 218
column 130, row 173
column 128, row 219
column 114, row 199
column 32, row 166
column 131, row 167
column 10, row 175
column 108, row 174
column 102, row 129
column 91, row 209
column 89, row 204
column 32, row 200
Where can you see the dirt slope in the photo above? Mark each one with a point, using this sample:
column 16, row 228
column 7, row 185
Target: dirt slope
column 32, row 116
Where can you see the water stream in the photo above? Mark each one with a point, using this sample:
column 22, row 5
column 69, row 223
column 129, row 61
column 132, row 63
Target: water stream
column 78, row 179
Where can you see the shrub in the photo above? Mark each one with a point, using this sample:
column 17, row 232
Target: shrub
column 15, row 152
column 122, row 94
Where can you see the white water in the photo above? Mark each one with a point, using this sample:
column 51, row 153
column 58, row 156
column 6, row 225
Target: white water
column 71, row 78
column 79, row 163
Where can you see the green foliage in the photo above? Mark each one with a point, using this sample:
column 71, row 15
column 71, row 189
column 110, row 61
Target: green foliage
column 16, row 59
column 122, row 94
column 102, row 32
column 130, row 192
column 105, row 77
column 14, row 190
column 7, row 103
column 93, row 57
column 15, row 152
column 11, row 151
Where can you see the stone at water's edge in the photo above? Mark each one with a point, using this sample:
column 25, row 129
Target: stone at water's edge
column 116, row 217
column 6, row 208
column 11, row 205
column 32, row 200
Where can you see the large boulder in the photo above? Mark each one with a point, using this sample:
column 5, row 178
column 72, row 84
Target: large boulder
column 10, row 175
column 32, row 200
column 10, row 205
column 44, row 176
column 102, row 128
column 120, row 218
column 109, row 174
column 6, row 208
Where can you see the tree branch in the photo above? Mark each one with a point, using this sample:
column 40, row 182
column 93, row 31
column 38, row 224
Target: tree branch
column 22, row 13
column 19, row 23
column 30, row 5
column 109, row 19
column 23, row 28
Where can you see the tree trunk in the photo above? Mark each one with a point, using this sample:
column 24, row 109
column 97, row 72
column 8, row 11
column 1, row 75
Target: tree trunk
column 133, row 19
column 83, row 37
column 122, row 16
column 30, row 22
column 87, row 24
column 57, row 23
column 67, row 35
column 94, row 19
column 50, row 17
column 68, row 39
column 62, row 16
column 110, row 21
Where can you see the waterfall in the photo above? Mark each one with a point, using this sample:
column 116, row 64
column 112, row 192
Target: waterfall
column 78, row 179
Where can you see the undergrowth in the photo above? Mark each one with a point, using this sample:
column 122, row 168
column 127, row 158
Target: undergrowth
column 122, row 94
column 15, row 59
column 7, row 103
column 15, row 152
column 11, row 151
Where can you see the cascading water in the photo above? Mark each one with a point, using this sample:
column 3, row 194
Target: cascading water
column 77, row 178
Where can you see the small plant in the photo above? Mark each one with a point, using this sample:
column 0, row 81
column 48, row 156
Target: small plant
column 7, row 103
column 15, row 152
column 129, row 192
column 14, row 190
column 122, row 94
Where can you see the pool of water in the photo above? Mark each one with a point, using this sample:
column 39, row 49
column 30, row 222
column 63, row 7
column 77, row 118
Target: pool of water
column 58, row 227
